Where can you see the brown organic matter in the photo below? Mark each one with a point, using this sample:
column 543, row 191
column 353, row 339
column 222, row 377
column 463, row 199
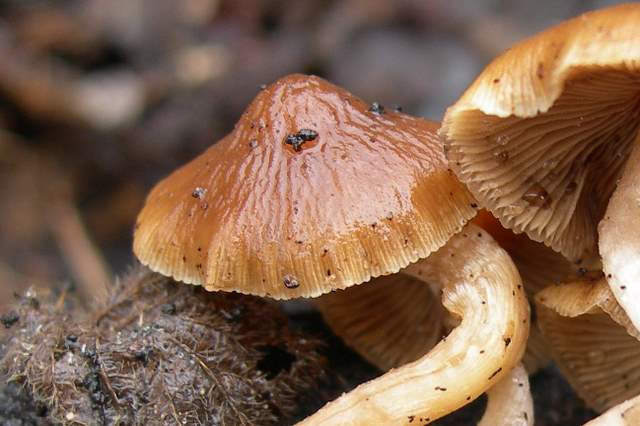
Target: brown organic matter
column 161, row 353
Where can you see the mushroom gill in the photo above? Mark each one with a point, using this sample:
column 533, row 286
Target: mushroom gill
column 562, row 165
column 390, row 321
column 592, row 340
column 543, row 133
column 482, row 288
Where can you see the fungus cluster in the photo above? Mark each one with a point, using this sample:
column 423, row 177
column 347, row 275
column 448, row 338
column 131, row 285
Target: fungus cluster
column 332, row 194
column 316, row 193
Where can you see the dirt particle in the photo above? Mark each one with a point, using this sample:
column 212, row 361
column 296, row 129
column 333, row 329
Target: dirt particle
column 143, row 355
column 168, row 309
column 376, row 108
column 440, row 388
column 571, row 188
column 9, row 319
column 495, row 373
column 198, row 193
column 290, row 281
column 502, row 156
column 296, row 140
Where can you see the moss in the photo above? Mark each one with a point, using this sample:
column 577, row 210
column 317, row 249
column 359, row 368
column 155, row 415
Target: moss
column 162, row 353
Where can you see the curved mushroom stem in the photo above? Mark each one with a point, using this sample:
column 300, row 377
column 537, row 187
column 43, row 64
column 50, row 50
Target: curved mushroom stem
column 481, row 285
column 620, row 239
column 510, row 402
column 623, row 414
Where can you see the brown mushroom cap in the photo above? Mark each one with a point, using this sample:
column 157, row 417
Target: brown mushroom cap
column 310, row 192
column 592, row 340
column 541, row 136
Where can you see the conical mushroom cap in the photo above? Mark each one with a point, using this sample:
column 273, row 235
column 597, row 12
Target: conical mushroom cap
column 310, row 192
column 592, row 340
column 541, row 136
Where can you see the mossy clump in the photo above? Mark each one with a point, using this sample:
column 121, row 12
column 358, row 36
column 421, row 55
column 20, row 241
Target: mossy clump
column 160, row 352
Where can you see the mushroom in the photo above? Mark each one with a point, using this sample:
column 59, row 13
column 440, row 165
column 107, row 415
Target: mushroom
column 312, row 191
column 543, row 134
column 509, row 401
column 482, row 288
column 282, row 207
column 592, row 340
column 624, row 414
column 397, row 319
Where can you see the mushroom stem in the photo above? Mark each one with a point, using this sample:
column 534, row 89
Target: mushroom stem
column 624, row 414
column 510, row 402
column 481, row 286
column 620, row 239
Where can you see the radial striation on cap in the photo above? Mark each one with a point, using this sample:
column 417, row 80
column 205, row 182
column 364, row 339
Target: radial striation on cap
column 310, row 192
column 541, row 136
